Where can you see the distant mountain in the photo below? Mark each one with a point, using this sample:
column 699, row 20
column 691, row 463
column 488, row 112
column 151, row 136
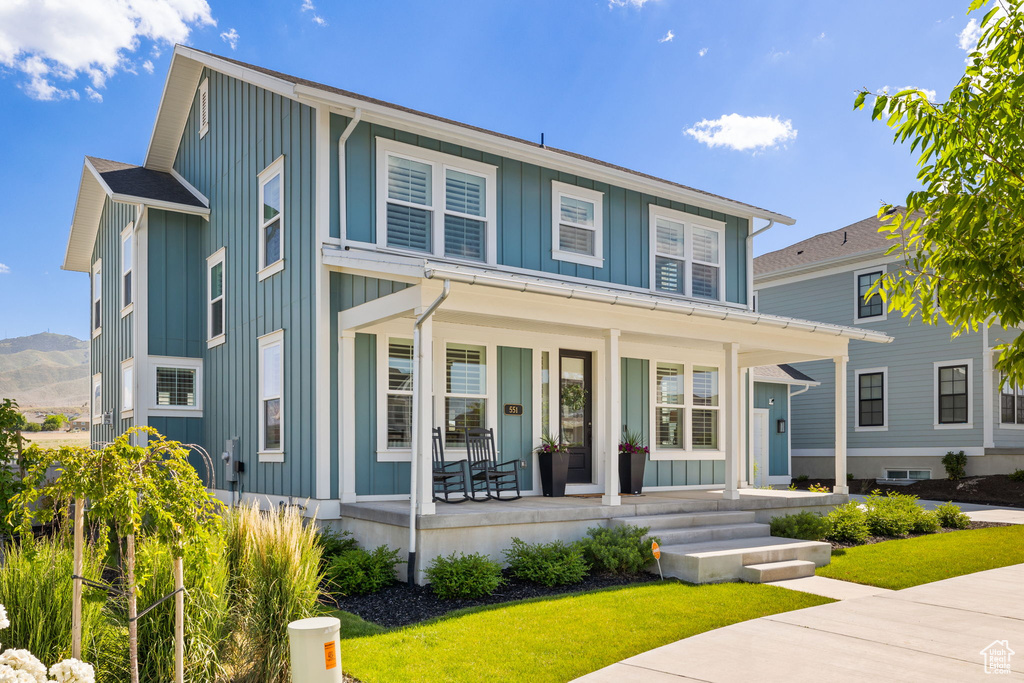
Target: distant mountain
column 45, row 370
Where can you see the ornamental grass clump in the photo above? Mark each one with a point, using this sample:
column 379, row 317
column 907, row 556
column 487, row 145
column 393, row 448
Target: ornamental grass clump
column 549, row 564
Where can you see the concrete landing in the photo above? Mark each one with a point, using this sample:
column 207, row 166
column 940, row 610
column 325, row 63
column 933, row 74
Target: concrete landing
column 829, row 588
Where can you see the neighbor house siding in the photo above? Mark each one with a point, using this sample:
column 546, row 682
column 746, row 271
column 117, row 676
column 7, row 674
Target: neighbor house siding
column 115, row 343
column 524, row 213
column 778, row 409
column 250, row 128
column 1003, row 436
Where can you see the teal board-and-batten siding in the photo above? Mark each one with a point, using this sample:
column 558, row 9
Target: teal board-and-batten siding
column 115, row 343
column 524, row 212
column 249, row 129
column 177, row 284
column 775, row 398
column 515, row 432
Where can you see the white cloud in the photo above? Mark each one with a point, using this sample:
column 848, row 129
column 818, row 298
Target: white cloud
column 230, row 37
column 148, row 66
column 319, row 21
column 61, row 40
column 308, row 6
column 885, row 90
column 638, row 4
column 968, row 37
column 743, row 133
column 668, row 37
column 4, row 268
column 701, row 52
column 777, row 55
column 93, row 95
column 821, row 37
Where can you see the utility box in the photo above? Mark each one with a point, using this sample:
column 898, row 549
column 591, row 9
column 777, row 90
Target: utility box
column 230, row 458
column 315, row 646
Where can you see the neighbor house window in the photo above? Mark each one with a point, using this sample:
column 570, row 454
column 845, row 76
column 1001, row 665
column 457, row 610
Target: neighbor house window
column 577, row 224
column 670, row 410
column 908, row 474
column 465, row 397
column 271, row 219
column 215, row 300
column 97, row 398
column 271, row 396
column 953, row 394
column 1011, row 403
column 176, row 387
column 868, row 307
column 399, row 393
column 686, row 254
column 705, row 411
column 127, row 260
column 871, row 398
column 127, row 386
column 434, row 203
column 204, row 107
column 97, row 297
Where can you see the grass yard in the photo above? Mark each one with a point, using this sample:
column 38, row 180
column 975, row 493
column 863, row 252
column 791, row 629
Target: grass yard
column 912, row 561
column 556, row 639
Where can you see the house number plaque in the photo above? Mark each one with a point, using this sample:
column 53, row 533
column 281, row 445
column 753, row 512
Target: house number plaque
column 513, row 409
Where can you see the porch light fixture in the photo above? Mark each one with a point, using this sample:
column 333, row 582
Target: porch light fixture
column 780, row 426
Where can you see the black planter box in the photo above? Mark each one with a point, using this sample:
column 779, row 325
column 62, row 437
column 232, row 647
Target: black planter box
column 631, row 472
column 554, row 471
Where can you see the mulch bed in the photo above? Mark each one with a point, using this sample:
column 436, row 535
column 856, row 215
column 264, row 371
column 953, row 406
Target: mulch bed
column 996, row 489
column 401, row 604
column 879, row 539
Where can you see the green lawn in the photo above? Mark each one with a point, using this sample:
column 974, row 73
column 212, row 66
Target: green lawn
column 912, row 561
column 557, row 639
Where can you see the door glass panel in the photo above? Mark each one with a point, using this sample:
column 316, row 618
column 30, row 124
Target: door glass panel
column 573, row 375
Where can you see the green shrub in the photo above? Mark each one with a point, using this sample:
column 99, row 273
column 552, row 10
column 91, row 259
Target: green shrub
column 357, row 572
column 846, row 524
column 926, row 522
column 622, row 549
column 955, row 464
column 1017, row 475
column 951, row 517
column 805, row 525
column 898, row 514
column 464, row 576
column 801, row 478
column 549, row 564
column 333, row 543
column 33, row 427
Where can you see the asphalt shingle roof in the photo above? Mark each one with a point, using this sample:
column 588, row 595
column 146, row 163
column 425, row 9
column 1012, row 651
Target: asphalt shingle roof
column 784, row 372
column 145, row 183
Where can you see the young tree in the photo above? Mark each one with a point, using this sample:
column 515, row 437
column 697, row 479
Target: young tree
column 962, row 234
column 54, row 422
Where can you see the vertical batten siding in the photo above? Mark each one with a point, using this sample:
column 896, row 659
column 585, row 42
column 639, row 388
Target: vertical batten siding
column 249, row 129
column 515, row 432
column 778, row 444
column 524, row 212
column 177, row 290
column 115, row 343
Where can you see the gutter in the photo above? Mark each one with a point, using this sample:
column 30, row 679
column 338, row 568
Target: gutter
column 750, row 260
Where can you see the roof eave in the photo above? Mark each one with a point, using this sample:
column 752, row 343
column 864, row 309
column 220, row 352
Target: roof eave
column 820, row 265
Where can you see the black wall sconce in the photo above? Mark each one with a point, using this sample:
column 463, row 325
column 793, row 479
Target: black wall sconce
column 780, row 426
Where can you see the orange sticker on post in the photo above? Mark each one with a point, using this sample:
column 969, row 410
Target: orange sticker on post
column 656, row 549
column 330, row 655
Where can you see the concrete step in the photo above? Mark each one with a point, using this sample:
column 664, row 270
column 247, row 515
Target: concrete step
column 686, row 520
column 724, row 560
column 717, row 532
column 776, row 571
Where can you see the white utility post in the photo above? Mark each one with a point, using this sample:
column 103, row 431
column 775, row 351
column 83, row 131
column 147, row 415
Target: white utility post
column 732, row 420
column 347, row 416
column 425, row 500
column 840, row 367
column 613, row 417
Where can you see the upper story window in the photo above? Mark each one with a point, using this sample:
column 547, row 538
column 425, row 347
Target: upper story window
column 97, row 297
column 953, row 393
column 434, row 203
column 127, row 386
column 271, row 397
column 686, row 254
column 204, row 107
column 271, row 219
column 176, row 387
column 872, row 403
column 577, row 230
column 215, row 298
column 870, row 308
column 1011, row 404
column 127, row 261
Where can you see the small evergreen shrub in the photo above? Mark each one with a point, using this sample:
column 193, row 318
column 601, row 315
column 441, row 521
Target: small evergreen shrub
column 549, row 564
column 620, row 549
column 805, row 525
column 464, row 576
column 333, row 543
column 926, row 522
column 951, row 517
column 898, row 514
column 802, row 478
column 846, row 524
column 358, row 572
column 1017, row 475
column 955, row 464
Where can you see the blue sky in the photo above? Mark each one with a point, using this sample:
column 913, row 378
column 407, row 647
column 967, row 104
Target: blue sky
column 620, row 80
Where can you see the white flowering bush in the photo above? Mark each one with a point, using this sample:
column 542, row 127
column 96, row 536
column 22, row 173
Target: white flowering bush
column 21, row 666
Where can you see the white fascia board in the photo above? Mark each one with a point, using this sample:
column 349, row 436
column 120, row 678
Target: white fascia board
column 84, row 221
column 190, row 187
column 159, row 204
column 172, row 113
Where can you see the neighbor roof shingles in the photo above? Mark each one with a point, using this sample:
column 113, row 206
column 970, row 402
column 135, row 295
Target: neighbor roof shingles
column 137, row 181
column 783, row 371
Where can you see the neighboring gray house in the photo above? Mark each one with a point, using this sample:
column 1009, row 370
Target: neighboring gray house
column 911, row 401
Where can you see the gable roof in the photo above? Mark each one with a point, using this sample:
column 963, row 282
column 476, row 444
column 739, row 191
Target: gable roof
column 782, row 374
column 143, row 183
column 186, row 69
column 854, row 241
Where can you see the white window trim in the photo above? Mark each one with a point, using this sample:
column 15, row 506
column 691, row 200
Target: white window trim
column 127, row 366
column 970, row 393
column 212, row 260
column 97, row 271
column 884, row 427
column 269, row 455
column 126, row 234
column 439, row 163
column 204, row 94
column 276, row 167
column 857, row 320
column 559, row 190
column 999, row 407
column 689, row 221
column 97, row 406
column 181, row 363
column 888, row 468
column 688, row 452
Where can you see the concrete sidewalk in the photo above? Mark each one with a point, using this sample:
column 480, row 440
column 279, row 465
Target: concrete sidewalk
column 934, row 632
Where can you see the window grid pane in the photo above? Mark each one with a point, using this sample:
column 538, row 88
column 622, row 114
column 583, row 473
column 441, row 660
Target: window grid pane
column 670, row 384
column 272, row 371
column 669, row 275
column 462, row 414
column 705, row 429
column 576, row 240
column 409, row 181
column 670, row 428
column 670, row 238
column 399, row 421
column 577, row 211
column 873, row 306
column 465, row 193
column 705, row 245
column 871, row 409
column 400, row 365
column 464, row 238
column 272, row 198
column 465, row 369
column 705, row 281
column 953, row 395
column 217, row 318
column 408, row 227
column 175, row 387
column 217, row 281
column 272, row 243
column 272, row 424
column 705, row 386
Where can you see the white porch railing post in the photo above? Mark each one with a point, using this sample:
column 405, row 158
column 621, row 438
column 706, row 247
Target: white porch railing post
column 426, row 505
column 840, row 367
column 347, row 416
column 732, row 421
column 613, row 418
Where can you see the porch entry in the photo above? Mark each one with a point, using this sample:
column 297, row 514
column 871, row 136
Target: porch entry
column 576, row 418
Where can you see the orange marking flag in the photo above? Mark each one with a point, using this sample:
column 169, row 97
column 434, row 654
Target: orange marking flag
column 656, row 549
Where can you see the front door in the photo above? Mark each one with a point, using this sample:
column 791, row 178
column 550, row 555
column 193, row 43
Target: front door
column 575, row 413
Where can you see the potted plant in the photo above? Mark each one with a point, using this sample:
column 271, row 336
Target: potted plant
column 632, row 460
column 553, row 459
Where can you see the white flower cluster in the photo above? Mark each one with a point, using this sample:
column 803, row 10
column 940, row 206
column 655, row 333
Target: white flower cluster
column 4, row 621
column 73, row 671
column 21, row 666
column 9, row 675
column 24, row 662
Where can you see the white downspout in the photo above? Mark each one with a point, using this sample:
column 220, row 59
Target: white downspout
column 414, row 460
column 750, row 260
column 342, row 203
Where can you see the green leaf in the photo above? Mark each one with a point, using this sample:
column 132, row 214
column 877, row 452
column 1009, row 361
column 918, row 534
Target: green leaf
column 859, row 102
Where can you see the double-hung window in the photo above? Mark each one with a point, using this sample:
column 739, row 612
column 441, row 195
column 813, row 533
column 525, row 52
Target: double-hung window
column 577, row 224
column 127, row 261
column 686, row 254
column 465, row 396
column 670, row 407
column 872, row 408
column 706, row 407
column 1011, row 404
column 271, row 219
column 953, row 391
column 271, row 397
column 399, row 394
column 215, row 298
column 868, row 307
column 686, row 415
column 97, row 297
column 97, row 398
column 434, row 203
column 127, row 386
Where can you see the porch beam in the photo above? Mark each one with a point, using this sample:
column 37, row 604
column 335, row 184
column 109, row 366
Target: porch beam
column 613, row 417
column 347, row 416
column 840, row 367
column 732, row 419
column 382, row 309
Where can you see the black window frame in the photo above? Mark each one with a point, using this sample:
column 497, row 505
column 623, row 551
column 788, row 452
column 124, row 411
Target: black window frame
column 951, row 402
column 876, row 405
column 1011, row 401
column 867, row 308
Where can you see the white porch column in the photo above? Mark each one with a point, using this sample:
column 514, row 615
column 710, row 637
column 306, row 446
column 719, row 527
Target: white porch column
column 840, row 367
column 746, row 401
column 733, row 451
column 988, row 398
column 347, row 416
column 613, row 417
column 425, row 409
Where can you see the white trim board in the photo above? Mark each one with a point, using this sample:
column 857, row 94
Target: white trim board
column 935, row 452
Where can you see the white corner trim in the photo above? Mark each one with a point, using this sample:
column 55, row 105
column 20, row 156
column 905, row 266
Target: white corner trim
column 559, row 190
column 204, row 107
column 857, row 320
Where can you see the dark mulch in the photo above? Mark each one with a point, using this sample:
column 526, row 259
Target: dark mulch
column 996, row 489
column 401, row 604
column 879, row 539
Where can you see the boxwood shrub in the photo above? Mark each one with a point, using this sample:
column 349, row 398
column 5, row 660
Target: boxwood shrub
column 846, row 524
column 358, row 572
column 622, row 549
column 549, row 564
column 805, row 525
column 951, row 517
column 464, row 576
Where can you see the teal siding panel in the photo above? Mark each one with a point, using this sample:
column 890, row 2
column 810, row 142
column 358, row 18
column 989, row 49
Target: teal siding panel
column 778, row 444
column 177, row 264
column 692, row 472
column 189, row 431
column 515, row 432
column 719, row 472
